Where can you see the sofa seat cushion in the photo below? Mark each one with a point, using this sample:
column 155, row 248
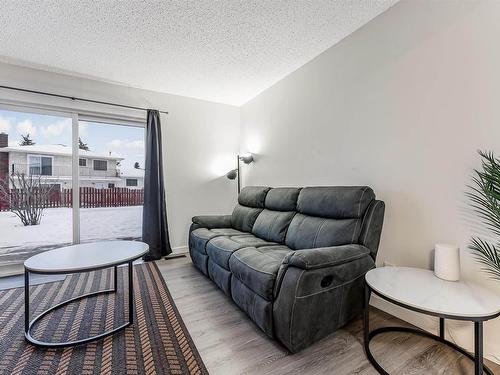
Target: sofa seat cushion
column 257, row 267
column 200, row 237
column 249, row 239
column 228, row 231
column 219, row 249
column 256, row 307
column 220, row 276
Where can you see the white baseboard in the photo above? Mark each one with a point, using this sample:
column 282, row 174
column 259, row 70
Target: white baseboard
column 180, row 250
column 12, row 270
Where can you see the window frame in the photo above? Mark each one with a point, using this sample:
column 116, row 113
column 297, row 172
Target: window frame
column 40, row 166
column 131, row 179
column 98, row 169
column 80, row 162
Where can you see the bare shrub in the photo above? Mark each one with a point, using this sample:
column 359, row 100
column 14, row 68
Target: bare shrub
column 27, row 198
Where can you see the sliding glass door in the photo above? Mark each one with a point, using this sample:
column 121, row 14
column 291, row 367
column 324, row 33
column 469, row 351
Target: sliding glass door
column 35, row 176
column 111, row 177
column 65, row 181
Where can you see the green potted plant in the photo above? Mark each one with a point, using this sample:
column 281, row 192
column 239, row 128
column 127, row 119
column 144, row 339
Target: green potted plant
column 485, row 200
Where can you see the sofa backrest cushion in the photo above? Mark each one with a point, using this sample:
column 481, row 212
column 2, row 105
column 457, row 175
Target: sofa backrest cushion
column 272, row 225
column 328, row 216
column 308, row 232
column 253, row 196
column 335, row 202
column 250, row 204
column 282, row 199
column 243, row 218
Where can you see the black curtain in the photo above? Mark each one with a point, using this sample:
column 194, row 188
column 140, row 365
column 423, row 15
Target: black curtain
column 154, row 213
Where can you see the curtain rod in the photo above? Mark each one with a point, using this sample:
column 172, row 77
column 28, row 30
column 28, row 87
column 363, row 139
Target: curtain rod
column 75, row 98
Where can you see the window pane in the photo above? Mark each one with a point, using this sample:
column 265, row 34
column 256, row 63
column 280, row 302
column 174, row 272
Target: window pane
column 82, row 162
column 111, row 208
column 35, row 156
column 46, row 166
column 100, row 165
column 34, row 164
column 131, row 182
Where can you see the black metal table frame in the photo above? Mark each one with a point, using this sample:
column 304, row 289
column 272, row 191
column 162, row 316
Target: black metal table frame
column 478, row 332
column 29, row 324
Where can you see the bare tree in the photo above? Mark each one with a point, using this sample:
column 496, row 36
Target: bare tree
column 28, row 197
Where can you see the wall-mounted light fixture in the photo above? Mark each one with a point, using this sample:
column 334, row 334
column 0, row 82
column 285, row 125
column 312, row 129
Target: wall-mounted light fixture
column 235, row 173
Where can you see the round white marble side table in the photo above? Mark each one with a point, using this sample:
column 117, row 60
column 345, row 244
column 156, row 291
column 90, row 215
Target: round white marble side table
column 81, row 258
column 421, row 291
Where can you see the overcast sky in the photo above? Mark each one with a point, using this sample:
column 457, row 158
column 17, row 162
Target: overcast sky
column 123, row 141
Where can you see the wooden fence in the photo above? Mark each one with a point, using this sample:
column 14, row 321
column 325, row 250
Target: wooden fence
column 92, row 197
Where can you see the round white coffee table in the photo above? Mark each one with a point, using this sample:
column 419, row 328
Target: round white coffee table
column 81, row 258
column 421, row 291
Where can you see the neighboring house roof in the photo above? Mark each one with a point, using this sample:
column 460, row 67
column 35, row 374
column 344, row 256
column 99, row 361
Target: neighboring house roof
column 57, row 150
column 83, row 178
column 131, row 172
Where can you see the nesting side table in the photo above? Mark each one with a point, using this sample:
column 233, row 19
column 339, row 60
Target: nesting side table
column 421, row 291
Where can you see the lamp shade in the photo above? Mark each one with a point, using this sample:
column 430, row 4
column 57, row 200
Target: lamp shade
column 232, row 174
column 246, row 158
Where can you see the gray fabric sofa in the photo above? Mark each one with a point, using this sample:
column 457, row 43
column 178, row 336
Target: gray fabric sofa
column 293, row 259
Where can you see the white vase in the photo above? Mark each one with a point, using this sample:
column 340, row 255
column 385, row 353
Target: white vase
column 447, row 262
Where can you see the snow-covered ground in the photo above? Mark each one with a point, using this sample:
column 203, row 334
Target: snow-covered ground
column 18, row 242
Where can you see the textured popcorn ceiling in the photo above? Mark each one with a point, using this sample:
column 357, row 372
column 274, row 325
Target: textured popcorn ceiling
column 223, row 51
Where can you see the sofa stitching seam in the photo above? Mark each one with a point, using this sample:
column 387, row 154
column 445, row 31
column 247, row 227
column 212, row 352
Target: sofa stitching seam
column 288, row 226
column 332, row 288
column 220, row 248
column 360, row 199
column 345, row 260
column 270, row 226
column 359, row 211
column 203, row 238
column 293, row 306
column 370, row 221
column 317, row 232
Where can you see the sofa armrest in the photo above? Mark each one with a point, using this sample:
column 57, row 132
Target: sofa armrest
column 321, row 288
column 309, row 259
column 213, row 221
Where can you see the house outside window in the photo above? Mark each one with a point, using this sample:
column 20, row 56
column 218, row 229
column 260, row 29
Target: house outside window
column 111, row 186
column 40, row 165
column 100, row 165
column 131, row 181
column 82, row 162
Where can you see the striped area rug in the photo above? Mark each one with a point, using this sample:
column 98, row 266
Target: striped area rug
column 157, row 343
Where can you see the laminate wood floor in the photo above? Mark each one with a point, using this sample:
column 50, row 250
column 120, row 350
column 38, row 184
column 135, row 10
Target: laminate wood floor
column 230, row 343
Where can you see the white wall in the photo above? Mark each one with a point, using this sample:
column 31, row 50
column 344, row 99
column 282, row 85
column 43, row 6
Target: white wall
column 401, row 105
column 200, row 139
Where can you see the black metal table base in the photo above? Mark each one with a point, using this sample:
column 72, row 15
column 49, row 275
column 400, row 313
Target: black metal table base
column 28, row 325
column 477, row 357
